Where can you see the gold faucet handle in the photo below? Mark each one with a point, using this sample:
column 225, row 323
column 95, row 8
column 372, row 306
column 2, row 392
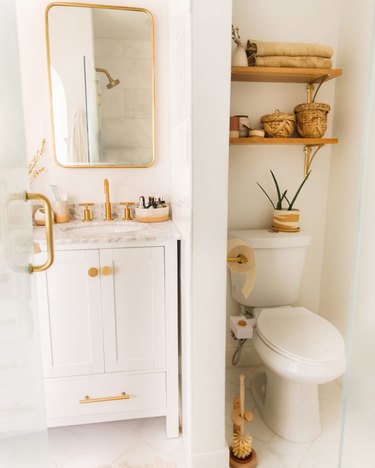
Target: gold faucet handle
column 86, row 212
column 127, row 212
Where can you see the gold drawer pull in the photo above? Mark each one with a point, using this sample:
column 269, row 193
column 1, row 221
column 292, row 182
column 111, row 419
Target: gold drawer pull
column 106, row 270
column 93, row 272
column 87, row 399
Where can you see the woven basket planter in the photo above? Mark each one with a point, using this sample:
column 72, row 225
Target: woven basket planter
column 311, row 119
column 278, row 124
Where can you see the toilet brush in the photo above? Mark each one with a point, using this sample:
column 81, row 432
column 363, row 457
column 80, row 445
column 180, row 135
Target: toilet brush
column 241, row 454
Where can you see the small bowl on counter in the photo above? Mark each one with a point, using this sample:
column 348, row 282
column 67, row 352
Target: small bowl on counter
column 151, row 215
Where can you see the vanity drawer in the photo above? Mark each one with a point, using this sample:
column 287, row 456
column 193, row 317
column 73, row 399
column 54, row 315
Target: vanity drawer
column 90, row 397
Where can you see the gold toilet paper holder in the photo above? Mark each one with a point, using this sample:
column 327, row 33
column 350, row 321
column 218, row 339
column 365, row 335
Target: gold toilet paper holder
column 239, row 259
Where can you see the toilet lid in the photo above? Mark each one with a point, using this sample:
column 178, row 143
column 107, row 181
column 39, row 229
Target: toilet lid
column 300, row 334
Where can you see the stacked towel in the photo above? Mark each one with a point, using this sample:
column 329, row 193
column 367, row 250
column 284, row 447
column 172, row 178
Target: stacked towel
column 288, row 54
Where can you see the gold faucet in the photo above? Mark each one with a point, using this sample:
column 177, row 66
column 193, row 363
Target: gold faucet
column 108, row 214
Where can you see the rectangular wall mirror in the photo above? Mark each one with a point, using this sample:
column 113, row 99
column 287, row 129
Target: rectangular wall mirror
column 102, row 85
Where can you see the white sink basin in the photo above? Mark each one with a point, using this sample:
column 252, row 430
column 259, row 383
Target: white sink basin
column 112, row 228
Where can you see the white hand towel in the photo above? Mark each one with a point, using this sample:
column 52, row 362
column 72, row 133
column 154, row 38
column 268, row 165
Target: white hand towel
column 78, row 148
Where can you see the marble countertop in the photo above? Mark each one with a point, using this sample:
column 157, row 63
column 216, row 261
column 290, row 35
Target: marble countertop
column 101, row 232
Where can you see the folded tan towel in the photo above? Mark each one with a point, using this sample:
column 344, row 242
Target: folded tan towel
column 294, row 62
column 291, row 49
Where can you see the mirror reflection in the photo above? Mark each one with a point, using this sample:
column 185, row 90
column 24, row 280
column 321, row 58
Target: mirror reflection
column 101, row 70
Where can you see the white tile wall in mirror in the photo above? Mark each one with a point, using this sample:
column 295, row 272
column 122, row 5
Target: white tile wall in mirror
column 101, row 70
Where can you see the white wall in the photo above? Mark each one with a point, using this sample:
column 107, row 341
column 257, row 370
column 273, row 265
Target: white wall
column 195, row 120
column 291, row 21
column 181, row 170
column 87, row 184
column 67, row 52
column 199, row 109
column 210, row 100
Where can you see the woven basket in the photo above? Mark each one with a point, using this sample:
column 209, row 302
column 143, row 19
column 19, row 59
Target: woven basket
column 278, row 124
column 311, row 119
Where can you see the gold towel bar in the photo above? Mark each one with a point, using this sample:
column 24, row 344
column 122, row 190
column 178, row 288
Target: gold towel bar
column 88, row 399
column 239, row 259
column 49, row 231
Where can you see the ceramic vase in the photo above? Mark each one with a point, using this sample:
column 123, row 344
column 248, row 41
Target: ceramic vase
column 285, row 220
column 239, row 58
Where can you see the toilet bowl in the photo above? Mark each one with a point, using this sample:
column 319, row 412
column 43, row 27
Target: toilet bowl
column 300, row 350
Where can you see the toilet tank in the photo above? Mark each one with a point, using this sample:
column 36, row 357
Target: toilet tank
column 279, row 263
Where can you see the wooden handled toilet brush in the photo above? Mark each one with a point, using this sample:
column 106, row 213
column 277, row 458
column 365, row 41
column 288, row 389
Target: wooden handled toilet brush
column 242, row 455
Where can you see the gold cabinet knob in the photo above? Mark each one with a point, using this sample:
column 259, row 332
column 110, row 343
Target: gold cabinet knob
column 106, row 270
column 93, row 272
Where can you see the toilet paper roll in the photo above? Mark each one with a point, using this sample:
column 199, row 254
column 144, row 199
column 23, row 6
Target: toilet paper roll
column 238, row 247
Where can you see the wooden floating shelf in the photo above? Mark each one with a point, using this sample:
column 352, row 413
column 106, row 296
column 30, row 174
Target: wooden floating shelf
column 283, row 141
column 284, row 75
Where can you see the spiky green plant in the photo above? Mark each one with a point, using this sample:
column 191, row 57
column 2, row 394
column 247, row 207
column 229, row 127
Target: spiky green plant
column 281, row 195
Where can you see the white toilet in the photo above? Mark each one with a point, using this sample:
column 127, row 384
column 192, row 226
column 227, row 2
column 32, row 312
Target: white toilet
column 299, row 348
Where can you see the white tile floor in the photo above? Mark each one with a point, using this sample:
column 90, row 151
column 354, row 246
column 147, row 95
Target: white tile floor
column 137, row 443
column 142, row 443
column 275, row 452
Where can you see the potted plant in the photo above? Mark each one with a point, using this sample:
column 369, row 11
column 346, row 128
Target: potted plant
column 285, row 217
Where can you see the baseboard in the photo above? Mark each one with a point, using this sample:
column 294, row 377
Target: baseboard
column 217, row 459
column 249, row 357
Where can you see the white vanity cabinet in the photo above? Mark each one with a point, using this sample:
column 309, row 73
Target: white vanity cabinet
column 71, row 315
column 133, row 301
column 108, row 319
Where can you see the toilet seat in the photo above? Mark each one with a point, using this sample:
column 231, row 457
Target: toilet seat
column 300, row 335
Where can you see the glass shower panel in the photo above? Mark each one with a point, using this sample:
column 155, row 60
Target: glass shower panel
column 358, row 434
column 23, row 435
column 92, row 93
column 358, row 430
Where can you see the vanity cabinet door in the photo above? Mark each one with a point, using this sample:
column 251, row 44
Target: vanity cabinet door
column 70, row 305
column 133, row 305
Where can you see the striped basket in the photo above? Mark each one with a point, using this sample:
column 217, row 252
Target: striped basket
column 285, row 220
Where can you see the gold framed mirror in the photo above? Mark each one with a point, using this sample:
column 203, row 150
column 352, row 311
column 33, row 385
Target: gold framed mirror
column 101, row 71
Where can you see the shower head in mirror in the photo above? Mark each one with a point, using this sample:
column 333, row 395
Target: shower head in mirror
column 112, row 83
